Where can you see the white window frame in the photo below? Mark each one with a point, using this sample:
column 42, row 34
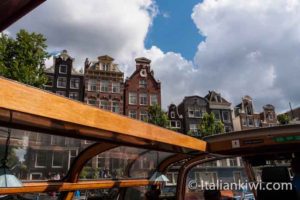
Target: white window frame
column 104, row 106
column 130, row 99
column 104, row 86
column 35, row 173
column 61, row 93
column 131, row 112
column 93, row 99
column 52, row 160
column 70, row 156
column 142, row 83
column 58, row 86
column 228, row 120
column 152, row 103
column 60, row 71
column 77, row 81
column 115, row 85
column 77, row 95
column 171, row 181
column 172, row 114
column 218, row 113
column 143, row 113
column 194, row 130
column 35, row 162
column 115, row 106
column 143, row 99
column 92, row 85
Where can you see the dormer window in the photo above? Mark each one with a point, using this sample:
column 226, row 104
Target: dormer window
column 172, row 114
column 104, row 67
column 63, row 69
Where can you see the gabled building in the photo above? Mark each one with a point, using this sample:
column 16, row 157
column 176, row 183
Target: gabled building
column 221, row 109
column 192, row 109
column 63, row 79
column 104, row 84
column 141, row 90
column 268, row 116
column 244, row 116
column 175, row 119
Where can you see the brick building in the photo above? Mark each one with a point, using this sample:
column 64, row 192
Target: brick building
column 221, row 109
column 175, row 119
column 141, row 90
column 63, row 79
column 192, row 109
column 104, row 84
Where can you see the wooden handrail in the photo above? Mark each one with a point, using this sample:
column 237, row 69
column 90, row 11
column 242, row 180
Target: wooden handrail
column 44, row 187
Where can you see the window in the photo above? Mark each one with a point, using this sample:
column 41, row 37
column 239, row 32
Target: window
column 237, row 177
column 132, row 98
column 92, row 101
column 104, row 86
column 50, row 81
column 57, row 159
column 63, row 69
column 61, row 82
column 115, row 107
column 172, row 176
column 40, row 159
column 115, row 87
column 74, row 95
column 270, row 116
column 36, row 176
column 250, row 122
column 193, row 128
column 206, row 177
column 217, row 114
column 132, row 114
column 175, row 124
column 92, row 85
column 74, row 83
column 244, row 122
column 153, row 99
column 226, row 116
column 143, row 99
column 143, row 83
column 101, row 162
column 104, row 66
column 72, row 156
column 194, row 112
column 232, row 162
column 256, row 122
column 57, row 140
column 61, row 93
column 104, row 104
column 172, row 114
column 143, row 115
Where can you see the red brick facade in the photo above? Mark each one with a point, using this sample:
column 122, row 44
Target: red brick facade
column 141, row 90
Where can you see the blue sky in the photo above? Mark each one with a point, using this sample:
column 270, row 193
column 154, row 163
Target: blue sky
column 173, row 29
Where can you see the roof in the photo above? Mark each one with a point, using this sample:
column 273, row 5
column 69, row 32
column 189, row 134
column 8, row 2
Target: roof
column 12, row 10
column 50, row 70
column 143, row 60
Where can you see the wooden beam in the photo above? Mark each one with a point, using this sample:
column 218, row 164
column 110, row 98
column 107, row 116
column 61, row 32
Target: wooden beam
column 44, row 187
column 35, row 102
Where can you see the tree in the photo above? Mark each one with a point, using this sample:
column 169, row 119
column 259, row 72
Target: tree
column 210, row 125
column 22, row 59
column 157, row 116
column 283, row 119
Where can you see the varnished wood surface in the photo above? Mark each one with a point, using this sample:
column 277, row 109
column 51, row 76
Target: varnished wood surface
column 32, row 101
column 256, row 141
column 44, row 187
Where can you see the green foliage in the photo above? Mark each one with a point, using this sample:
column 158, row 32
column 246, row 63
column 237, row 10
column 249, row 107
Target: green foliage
column 157, row 116
column 210, row 125
column 85, row 172
column 22, row 59
column 283, row 119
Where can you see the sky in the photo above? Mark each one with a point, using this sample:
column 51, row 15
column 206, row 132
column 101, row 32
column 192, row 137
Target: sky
column 234, row 47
